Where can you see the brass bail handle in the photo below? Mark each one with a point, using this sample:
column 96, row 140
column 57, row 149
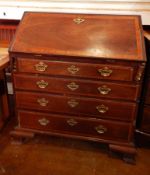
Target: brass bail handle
column 105, row 72
column 100, row 129
column 42, row 84
column 73, row 69
column 73, row 103
column 72, row 122
column 73, row 86
column 42, row 102
column 41, row 67
column 43, row 121
column 104, row 90
column 102, row 108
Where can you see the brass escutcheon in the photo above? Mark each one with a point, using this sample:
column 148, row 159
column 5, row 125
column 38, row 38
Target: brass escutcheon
column 41, row 66
column 78, row 20
column 73, row 86
column 72, row 122
column 42, row 84
column 104, row 90
column 101, row 129
column 73, row 69
column 42, row 101
column 43, row 121
column 102, row 108
column 73, row 103
column 105, row 72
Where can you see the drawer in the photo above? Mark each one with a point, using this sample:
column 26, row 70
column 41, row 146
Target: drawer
column 145, row 125
column 76, row 86
column 76, row 69
column 76, row 105
column 99, row 129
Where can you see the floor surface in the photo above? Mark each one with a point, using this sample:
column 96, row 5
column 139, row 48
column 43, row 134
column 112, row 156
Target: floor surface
column 46, row 155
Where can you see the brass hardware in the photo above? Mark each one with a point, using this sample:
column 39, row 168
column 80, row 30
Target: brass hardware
column 73, row 86
column 104, row 90
column 72, row 122
column 42, row 84
column 42, row 101
column 78, row 20
column 140, row 72
column 73, row 103
column 43, row 121
column 102, row 108
column 41, row 67
column 105, row 72
column 73, row 69
column 101, row 129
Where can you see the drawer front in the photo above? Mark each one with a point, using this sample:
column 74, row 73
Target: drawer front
column 76, row 105
column 74, row 86
column 145, row 125
column 73, row 125
column 76, row 69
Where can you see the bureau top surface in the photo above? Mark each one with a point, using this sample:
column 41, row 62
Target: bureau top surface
column 80, row 35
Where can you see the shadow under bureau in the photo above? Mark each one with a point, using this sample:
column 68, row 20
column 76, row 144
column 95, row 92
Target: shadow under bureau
column 78, row 76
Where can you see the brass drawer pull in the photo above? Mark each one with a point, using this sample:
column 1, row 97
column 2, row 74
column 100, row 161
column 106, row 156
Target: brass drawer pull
column 104, row 90
column 43, row 121
column 73, row 86
column 105, row 72
column 42, row 101
column 73, row 103
column 42, row 84
column 101, row 129
column 73, row 69
column 41, row 67
column 72, row 122
column 102, row 108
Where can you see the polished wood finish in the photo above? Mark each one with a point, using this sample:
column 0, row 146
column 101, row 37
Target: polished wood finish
column 75, row 125
column 124, row 72
column 78, row 87
column 79, row 77
column 69, row 39
column 76, row 105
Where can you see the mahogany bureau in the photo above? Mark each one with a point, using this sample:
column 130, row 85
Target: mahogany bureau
column 78, row 76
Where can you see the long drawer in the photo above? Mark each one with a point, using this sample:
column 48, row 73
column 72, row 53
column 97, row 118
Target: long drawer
column 76, row 69
column 75, row 86
column 73, row 125
column 76, row 105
